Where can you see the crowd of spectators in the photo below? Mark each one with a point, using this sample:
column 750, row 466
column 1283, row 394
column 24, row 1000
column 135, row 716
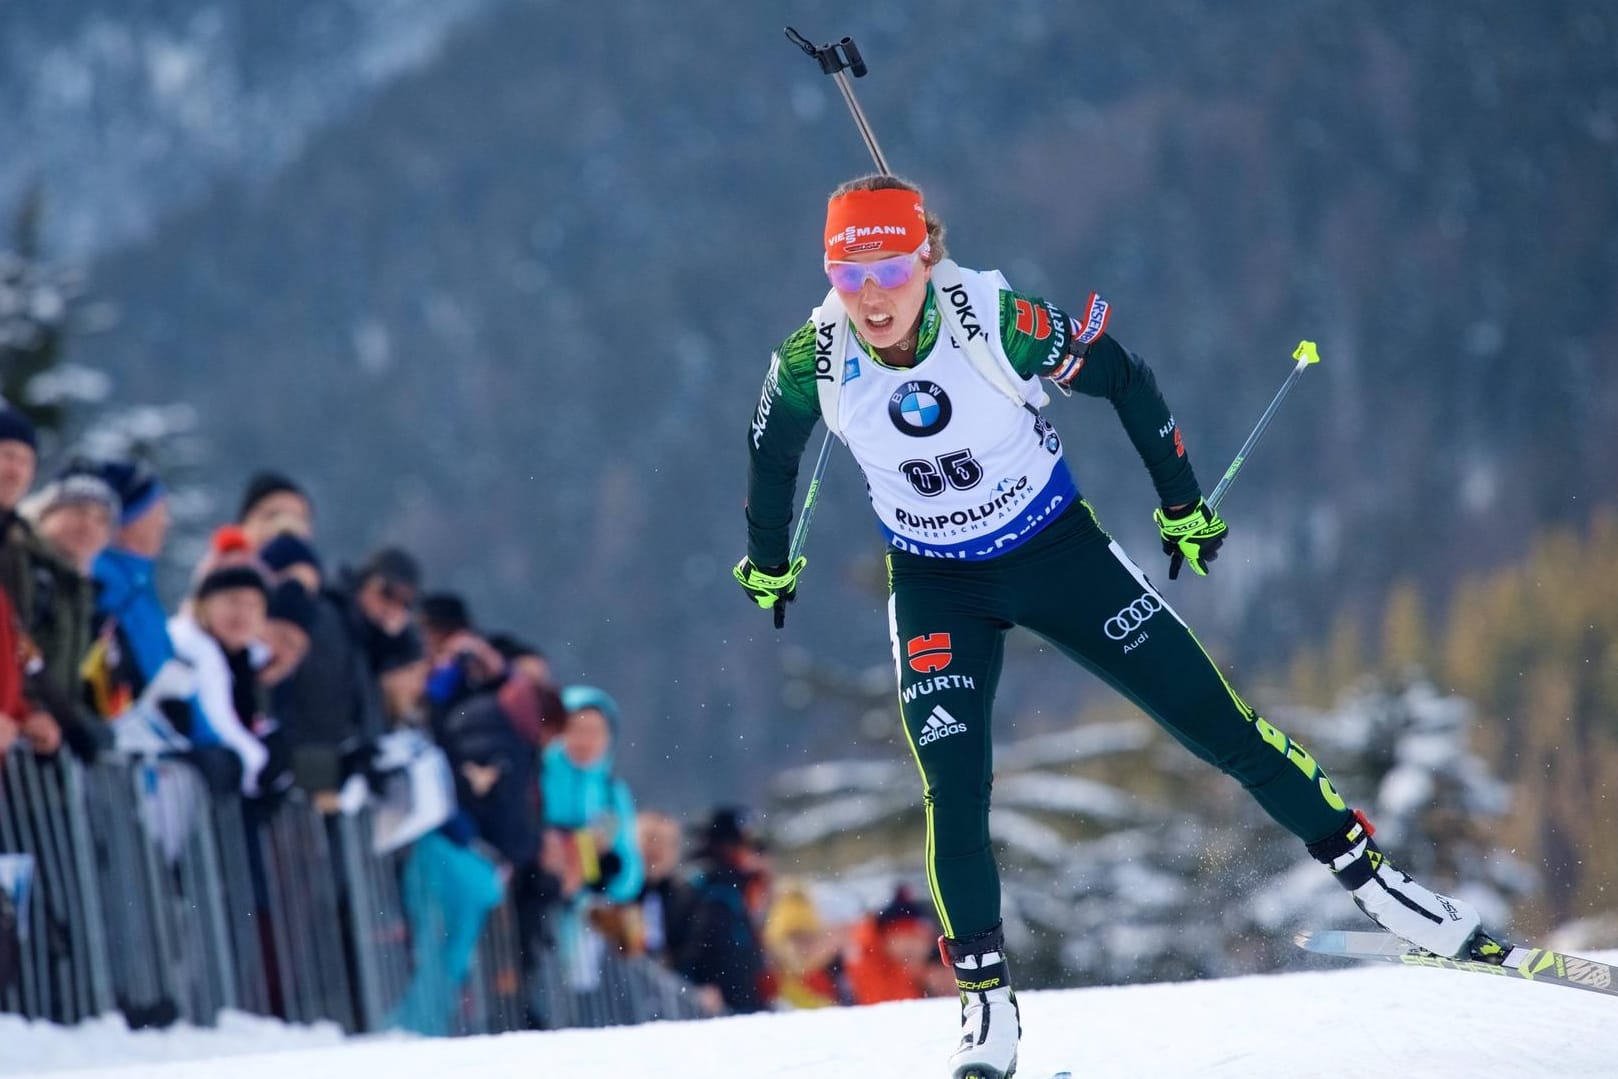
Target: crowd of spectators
column 281, row 671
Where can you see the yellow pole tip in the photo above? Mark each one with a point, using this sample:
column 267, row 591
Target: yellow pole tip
column 1306, row 352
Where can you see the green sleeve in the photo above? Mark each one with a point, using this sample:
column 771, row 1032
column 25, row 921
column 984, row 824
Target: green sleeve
column 788, row 409
column 1040, row 339
column 1035, row 333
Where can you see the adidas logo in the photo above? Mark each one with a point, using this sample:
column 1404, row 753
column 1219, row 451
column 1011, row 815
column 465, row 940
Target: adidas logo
column 940, row 724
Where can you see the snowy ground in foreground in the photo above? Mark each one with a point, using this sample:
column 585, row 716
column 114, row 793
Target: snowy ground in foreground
column 1353, row 1022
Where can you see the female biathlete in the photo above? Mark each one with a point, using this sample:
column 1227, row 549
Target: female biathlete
column 931, row 374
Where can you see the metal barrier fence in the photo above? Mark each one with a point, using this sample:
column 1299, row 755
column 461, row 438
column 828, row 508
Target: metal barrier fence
column 582, row 982
column 155, row 897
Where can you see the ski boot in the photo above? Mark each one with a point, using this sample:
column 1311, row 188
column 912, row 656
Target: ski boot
column 990, row 1022
column 1392, row 899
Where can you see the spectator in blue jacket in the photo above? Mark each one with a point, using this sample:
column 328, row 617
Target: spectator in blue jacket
column 586, row 800
column 132, row 636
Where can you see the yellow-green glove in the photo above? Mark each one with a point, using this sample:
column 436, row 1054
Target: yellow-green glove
column 1193, row 534
column 772, row 587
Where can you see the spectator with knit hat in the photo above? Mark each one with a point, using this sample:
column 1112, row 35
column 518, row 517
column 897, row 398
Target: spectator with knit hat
column 290, row 556
column 330, row 705
column 226, row 618
column 132, row 676
column 722, row 951
column 72, row 518
column 290, row 616
column 75, row 514
column 892, row 954
column 803, row 954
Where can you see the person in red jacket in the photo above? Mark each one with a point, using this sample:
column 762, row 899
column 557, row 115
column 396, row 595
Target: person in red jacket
column 14, row 709
column 891, row 954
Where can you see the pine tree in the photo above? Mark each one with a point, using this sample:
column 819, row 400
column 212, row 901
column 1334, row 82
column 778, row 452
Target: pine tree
column 44, row 308
column 37, row 306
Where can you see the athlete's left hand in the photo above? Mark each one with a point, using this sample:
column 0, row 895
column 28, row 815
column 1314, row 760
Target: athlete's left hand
column 1193, row 534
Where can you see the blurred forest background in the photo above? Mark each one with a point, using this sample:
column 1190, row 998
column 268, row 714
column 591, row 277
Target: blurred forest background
column 498, row 280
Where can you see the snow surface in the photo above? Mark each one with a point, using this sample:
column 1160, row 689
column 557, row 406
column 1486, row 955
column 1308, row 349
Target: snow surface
column 1371, row 1020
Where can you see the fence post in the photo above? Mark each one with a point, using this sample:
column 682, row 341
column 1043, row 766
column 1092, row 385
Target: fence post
column 375, row 921
column 210, row 957
column 306, row 914
column 72, row 996
column 118, row 844
column 500, row 961
column 82, row 844
column 24, row 999
column 162, row 812
column 245, row 921
column 393, row 942
column 64, row 973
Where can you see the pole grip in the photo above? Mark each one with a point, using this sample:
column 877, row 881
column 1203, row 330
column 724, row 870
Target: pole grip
column 851, row 53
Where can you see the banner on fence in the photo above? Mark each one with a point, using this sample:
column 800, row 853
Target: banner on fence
column 17, row 884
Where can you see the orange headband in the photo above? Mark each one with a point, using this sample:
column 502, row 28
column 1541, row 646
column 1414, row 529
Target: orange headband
column 888, row 219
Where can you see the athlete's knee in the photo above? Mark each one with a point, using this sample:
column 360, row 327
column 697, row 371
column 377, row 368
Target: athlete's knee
column 958, row 811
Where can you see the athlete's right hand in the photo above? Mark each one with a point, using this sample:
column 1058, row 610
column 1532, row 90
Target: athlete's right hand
column 771, row 587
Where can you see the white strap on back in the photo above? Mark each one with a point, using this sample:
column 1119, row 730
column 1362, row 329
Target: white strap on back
column 956, row 304
column 831, row 344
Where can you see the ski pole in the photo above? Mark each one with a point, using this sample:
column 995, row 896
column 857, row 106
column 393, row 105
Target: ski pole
column 1305, row 354
column 834, row 60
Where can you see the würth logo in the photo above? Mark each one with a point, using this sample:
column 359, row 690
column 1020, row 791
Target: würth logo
column 1033, row 321
column 929, row 653
column 940, row 724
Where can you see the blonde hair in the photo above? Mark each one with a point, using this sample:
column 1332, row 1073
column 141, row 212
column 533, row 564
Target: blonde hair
column 878, row 181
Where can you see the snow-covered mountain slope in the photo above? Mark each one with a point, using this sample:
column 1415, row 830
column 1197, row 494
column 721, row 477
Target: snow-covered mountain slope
column 126, row 112
column 1413, row 1023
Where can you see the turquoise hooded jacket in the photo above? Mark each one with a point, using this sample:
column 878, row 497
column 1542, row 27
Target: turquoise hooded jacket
column 592, row 797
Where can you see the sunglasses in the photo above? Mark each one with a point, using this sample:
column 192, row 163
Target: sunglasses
column 887, row 273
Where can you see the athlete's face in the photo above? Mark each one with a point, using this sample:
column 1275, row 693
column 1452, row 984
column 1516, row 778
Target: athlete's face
column 885, row 316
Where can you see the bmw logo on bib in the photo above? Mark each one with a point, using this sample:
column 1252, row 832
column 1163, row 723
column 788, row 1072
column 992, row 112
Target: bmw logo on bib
column 919, row 409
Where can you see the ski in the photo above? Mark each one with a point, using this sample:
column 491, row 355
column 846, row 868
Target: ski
column 1529, row 964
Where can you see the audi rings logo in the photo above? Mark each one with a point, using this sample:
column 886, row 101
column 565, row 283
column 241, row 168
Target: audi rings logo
column 1132, row 617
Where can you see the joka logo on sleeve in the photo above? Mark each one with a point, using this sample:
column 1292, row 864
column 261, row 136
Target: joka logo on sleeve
column 929, row 653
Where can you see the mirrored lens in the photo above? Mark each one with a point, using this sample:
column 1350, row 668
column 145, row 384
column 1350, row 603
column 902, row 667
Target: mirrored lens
column 887, row 273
